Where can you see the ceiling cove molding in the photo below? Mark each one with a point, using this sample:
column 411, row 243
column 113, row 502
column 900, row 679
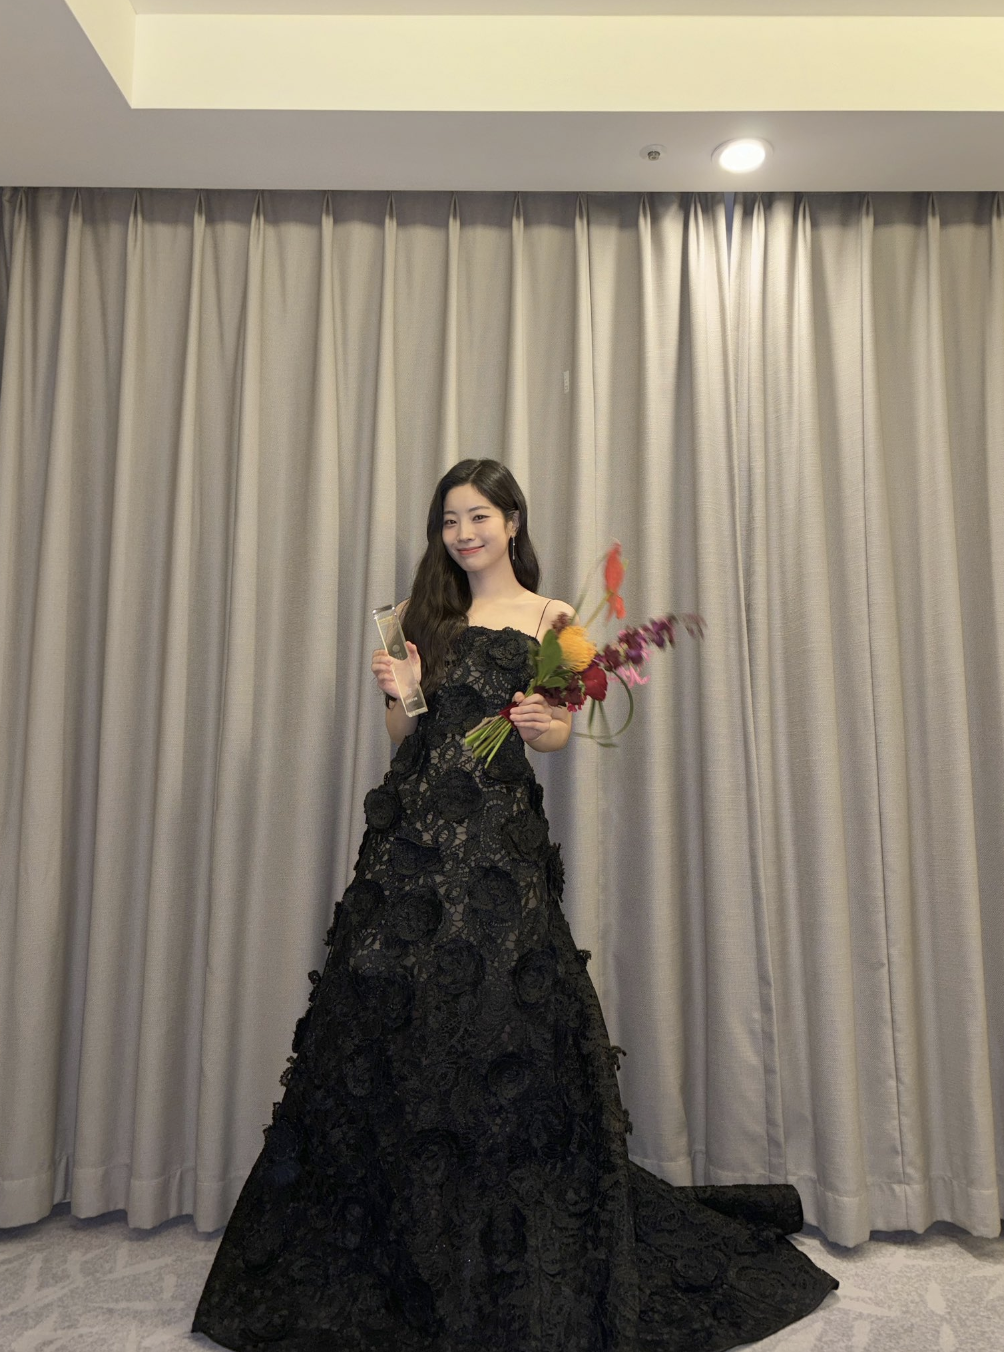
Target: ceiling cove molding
column 110, row 26
column 546, row 63
column 952, row 8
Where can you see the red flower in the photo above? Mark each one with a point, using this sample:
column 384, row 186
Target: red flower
column 613, row 576
column 574, row 694
column 594, row 682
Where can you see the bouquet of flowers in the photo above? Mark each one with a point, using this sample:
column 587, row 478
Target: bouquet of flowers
column 570, row 668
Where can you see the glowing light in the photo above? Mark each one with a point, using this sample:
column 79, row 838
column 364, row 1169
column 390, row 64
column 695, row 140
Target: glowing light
column 741, row 156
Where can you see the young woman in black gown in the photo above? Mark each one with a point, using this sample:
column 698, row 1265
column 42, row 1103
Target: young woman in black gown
column 447, row 1170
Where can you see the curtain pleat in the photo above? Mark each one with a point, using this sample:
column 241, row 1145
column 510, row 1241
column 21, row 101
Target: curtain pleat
column 222, row 415
column 865, row 395
column 676, row 942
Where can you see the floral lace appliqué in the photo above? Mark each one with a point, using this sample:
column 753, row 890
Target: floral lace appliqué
column 447, row 1169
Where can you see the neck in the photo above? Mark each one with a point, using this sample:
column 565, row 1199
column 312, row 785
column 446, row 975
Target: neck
column 496, row 585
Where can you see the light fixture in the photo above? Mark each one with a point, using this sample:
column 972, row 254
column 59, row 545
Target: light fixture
column 652, row 152
column 741, row 156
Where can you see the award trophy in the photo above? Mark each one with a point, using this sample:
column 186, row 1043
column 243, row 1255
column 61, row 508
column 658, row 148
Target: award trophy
column 405, row 676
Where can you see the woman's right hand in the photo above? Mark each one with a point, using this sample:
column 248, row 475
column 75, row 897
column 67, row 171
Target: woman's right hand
column 382, row 667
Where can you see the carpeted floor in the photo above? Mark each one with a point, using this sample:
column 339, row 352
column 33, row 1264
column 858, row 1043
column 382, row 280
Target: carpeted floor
column 98, row 1286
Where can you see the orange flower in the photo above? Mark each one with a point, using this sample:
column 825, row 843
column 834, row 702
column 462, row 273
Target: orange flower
column 575, row 646
column 613, row 576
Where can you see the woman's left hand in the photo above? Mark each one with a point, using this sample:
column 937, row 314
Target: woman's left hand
column 531, row 717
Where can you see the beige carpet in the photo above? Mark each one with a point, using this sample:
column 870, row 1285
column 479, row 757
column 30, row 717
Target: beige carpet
column 98, row 1285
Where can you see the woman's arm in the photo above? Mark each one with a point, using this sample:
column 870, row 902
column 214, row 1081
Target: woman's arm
column 555, row 737
column 399, row 725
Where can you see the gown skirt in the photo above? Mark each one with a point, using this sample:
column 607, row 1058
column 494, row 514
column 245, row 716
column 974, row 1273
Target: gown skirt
column 447, row 1170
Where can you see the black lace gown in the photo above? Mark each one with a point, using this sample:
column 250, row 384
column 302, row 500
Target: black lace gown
column 447, row 1170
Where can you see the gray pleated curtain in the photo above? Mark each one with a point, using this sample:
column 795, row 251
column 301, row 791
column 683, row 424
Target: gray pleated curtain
column 870, row 397
column 221, row 419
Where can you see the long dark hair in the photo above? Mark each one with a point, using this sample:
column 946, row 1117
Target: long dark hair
column 436, row 614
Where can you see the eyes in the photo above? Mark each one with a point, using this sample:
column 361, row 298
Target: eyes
column 480, row 516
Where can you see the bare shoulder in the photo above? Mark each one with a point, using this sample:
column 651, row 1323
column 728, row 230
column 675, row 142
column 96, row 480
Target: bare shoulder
column 553, row 609
column 401, row 607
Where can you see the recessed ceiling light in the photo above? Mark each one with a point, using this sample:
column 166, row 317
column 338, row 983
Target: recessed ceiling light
column 741, row 156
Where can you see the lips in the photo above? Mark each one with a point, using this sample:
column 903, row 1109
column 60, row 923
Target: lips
column 469, row 551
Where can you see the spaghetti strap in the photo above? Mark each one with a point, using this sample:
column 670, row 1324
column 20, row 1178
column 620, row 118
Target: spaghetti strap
column 542, row 614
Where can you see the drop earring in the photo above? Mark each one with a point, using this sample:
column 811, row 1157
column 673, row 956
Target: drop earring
column 512, row 547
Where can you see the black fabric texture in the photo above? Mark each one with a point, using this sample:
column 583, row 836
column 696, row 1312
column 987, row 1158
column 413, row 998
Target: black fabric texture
column 447, row 1169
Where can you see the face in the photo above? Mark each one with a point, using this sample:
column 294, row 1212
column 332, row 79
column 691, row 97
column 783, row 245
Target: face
column 475, row 532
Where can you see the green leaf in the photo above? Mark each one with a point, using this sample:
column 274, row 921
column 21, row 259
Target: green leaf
column 549, row 656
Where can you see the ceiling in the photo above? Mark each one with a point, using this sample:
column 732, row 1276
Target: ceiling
column 500, row 94
column 747, row 7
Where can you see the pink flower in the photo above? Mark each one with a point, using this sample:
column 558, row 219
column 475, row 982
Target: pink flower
column 631, row 676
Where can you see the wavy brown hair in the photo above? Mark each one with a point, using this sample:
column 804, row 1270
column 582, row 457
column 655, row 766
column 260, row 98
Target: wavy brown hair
column 436, row 614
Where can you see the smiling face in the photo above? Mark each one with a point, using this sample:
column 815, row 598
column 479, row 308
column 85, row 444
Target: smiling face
column 475, row 532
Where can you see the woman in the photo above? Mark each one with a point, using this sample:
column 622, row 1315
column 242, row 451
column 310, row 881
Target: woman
column 448, row 1169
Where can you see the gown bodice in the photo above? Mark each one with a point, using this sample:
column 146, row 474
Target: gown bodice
column 487, row 667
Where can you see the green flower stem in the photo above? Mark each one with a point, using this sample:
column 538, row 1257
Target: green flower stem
column 597, row 610
column 500, row 739
column 585, row 587
column 485, row 741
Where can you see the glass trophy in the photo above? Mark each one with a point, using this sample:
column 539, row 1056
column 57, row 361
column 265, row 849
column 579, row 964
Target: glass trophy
column 405, row 675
